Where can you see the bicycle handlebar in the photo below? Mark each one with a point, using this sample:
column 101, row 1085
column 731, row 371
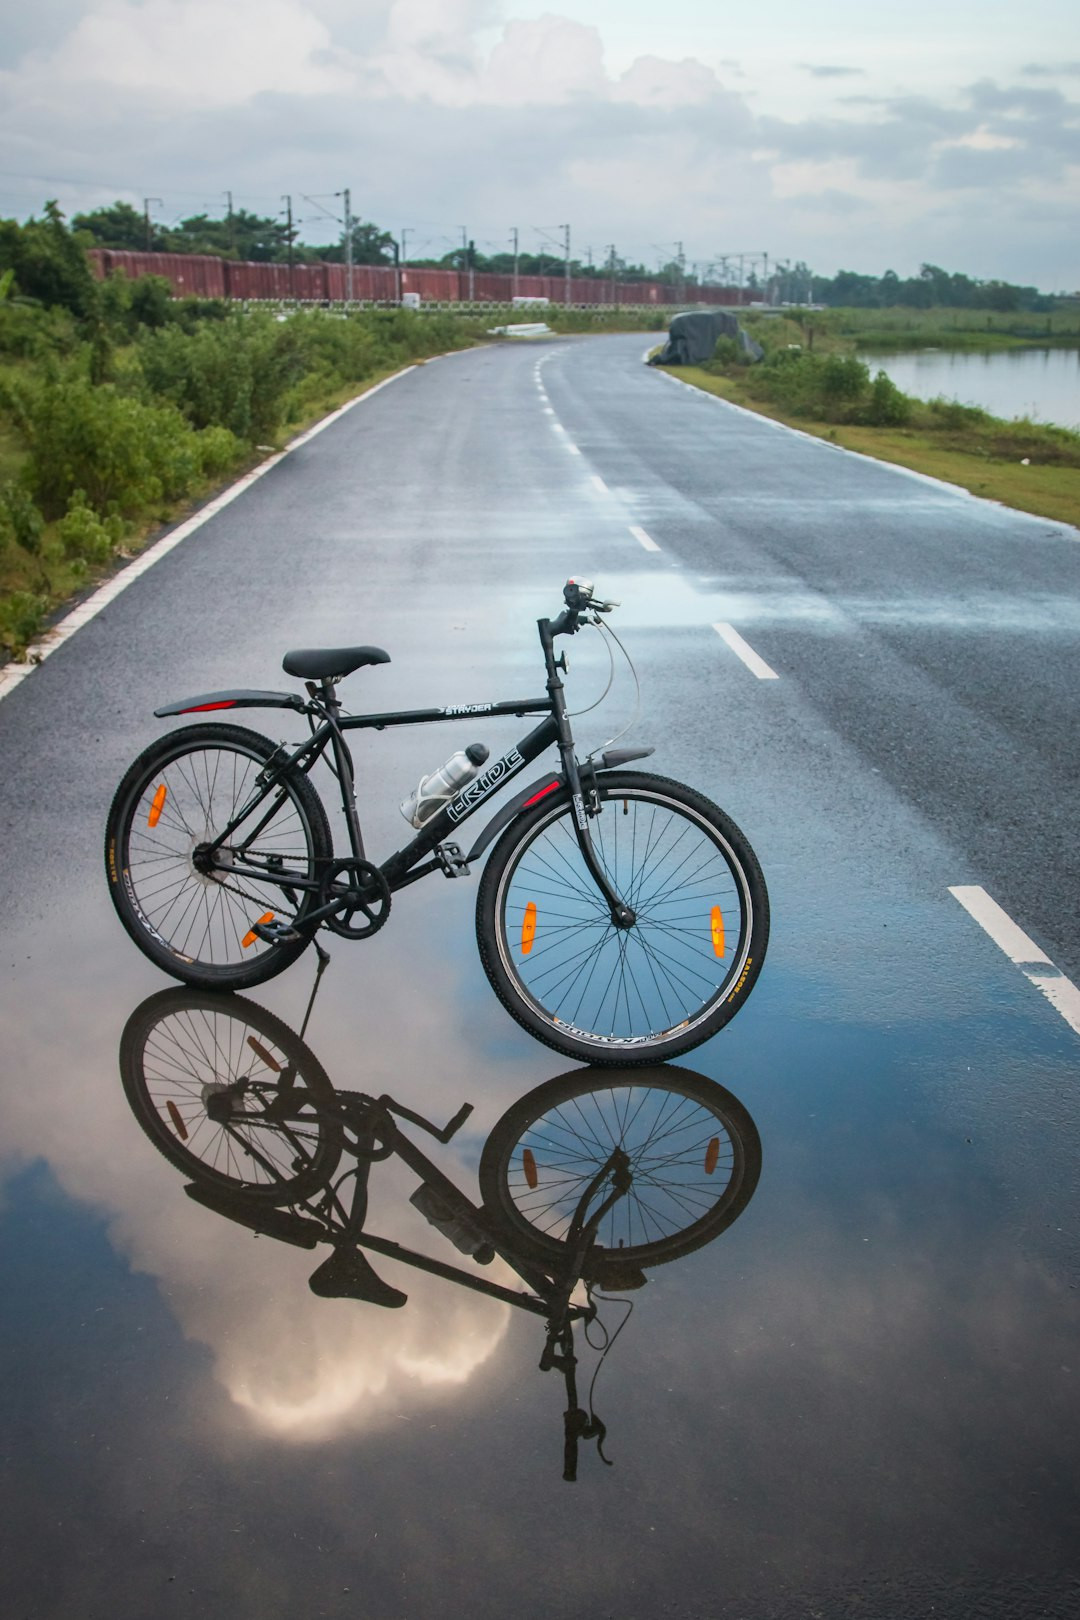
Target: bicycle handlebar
column 581, row 600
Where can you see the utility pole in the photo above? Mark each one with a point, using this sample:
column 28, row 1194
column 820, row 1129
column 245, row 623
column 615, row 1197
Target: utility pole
column 514, row 282
column 347, row 197
column 680, row 260
column 402, row 258
column 146, row 216
column 289, row 242
column 229, row 223
column 611, row 270
column 566, row 271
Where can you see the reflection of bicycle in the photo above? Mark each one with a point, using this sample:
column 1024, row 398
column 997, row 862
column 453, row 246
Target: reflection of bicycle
column 621, row 917
column 587, row 1179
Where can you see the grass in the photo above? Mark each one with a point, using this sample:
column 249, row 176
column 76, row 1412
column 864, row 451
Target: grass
column 982, row 454
column 887, row 330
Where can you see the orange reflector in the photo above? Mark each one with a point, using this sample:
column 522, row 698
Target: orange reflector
column 528, row 1164
column 178, row 1125
column 528, row 928
column 717, row 921
column 157, row 807
column 260, row 1051
column 712, row 1153
column 251, row 936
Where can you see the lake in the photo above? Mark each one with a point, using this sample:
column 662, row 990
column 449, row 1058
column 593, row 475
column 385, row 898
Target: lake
column 1041, row 383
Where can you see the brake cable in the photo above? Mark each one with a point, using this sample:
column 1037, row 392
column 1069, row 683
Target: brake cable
column 604, row 1347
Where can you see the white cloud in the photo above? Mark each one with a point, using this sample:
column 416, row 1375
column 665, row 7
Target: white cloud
column 198, row 51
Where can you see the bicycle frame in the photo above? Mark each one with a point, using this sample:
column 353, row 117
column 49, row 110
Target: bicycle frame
column 404, row 866
column 376, row 1136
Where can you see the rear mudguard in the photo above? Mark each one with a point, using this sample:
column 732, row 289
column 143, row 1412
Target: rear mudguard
column 240, row 698
column 541, row 789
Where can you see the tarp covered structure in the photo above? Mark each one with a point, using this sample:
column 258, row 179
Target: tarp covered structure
column 692, row 338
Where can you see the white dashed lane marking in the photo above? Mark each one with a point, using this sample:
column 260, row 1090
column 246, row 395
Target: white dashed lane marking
column 743, row 650
column 643, row 539
column 1033, row 963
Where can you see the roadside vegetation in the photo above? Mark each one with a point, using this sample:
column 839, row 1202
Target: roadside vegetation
column 886, row 330
column 811, row 379
column 120, row 407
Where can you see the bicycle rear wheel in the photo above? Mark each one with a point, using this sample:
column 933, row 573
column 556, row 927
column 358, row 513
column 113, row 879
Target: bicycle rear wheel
column 695, row 1158
column 195, row 918
column 608, row 995
column 230, row 1095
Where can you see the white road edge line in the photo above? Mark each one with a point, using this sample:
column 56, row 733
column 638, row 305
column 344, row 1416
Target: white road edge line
column 643, row 539
column 13, row 674
column 753, row 662
column 1033, row 963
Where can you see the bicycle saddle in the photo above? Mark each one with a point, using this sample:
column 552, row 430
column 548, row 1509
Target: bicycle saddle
column 348, row 1275
column 315, row 663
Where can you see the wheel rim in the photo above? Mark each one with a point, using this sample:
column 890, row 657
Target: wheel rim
column 202, row 917
column 640, row 986
column 685, row 1162
column 210, row 1080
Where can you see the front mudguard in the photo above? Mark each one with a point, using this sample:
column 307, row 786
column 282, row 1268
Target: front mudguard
column 542, row 787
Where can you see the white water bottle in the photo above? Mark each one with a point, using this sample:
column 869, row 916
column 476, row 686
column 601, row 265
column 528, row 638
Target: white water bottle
column 435, row 790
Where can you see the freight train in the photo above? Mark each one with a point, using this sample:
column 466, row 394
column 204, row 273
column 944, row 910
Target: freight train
column 201, row 275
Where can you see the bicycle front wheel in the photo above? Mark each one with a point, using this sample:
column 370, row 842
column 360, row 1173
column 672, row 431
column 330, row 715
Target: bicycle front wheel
column 694, row 1151
column 230, row 1095
column 611, row 995
column 192, row 916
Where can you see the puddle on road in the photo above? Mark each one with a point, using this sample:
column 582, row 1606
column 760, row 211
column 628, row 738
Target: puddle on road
column 861, row 1385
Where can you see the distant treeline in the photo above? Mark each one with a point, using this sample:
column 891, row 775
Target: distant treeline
column 932, row 288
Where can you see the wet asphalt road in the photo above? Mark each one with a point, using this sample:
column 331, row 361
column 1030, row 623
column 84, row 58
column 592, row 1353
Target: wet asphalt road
column 861, row 1399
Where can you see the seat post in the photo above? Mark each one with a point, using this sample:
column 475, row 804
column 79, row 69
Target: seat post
column 343, row 758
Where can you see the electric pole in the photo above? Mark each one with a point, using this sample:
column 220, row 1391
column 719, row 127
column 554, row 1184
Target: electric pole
column 403, row 260
column 229, row 224
column 289, row 242
column 514, row 282
column 146, row 216
column 566, row 270
column 347, row 197
column 611, row 270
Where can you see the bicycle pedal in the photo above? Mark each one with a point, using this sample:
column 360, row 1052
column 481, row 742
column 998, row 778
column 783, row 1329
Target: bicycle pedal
column 275, row 933
column 451, row 858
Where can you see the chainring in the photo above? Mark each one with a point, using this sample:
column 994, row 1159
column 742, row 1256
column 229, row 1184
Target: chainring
column 367, row 893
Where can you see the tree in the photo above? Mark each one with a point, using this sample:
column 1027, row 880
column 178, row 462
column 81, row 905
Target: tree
column 49, row 262
column 370, row 245
column 119, row 226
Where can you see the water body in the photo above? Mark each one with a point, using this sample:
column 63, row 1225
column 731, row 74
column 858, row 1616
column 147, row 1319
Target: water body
column 1043, row 384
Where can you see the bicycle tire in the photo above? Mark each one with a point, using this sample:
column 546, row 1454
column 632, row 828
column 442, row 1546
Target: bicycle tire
column 695, row 1159
column 604, row 995
column 181, row 1047
column 197, row 926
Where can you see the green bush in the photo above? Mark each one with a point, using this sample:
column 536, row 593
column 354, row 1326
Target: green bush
column 235, row 374
column 21, row 616
column 888, row 407
column 125, row 455
column 29, row 332
column 20, row 518
column 85, row 535
column 151, row 301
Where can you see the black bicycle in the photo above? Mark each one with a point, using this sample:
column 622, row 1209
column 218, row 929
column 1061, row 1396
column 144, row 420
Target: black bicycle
column 621, row 917
column 586, row 1179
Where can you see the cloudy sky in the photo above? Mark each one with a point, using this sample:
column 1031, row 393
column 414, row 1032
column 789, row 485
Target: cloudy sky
column 844, row 134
